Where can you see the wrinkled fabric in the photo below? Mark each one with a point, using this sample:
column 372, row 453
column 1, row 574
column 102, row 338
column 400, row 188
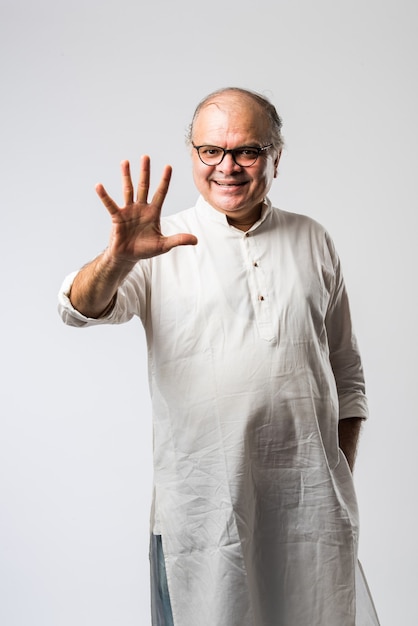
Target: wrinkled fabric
column 252, row 362
column 161, row 612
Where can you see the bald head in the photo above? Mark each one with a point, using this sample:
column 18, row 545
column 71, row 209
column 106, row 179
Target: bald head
column 235, row 98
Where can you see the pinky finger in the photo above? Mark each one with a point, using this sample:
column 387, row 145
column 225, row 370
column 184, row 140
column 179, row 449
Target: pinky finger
column 110, row 205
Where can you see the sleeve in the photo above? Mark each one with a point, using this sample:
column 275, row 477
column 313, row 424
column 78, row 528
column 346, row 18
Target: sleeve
column 343, row 348
column 131, row 299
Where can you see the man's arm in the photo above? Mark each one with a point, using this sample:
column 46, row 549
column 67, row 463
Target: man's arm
column 94, row 287
column 348, row 434
column 135, row 235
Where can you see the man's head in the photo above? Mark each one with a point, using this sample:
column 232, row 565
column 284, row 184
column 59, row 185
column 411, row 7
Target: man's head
column 235, row 118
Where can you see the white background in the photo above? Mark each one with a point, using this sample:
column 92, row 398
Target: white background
column 87, row 83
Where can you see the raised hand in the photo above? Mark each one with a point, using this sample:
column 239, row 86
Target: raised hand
column 135, row 235
column 136, row 232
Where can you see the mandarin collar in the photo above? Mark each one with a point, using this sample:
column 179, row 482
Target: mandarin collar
column 208, row 212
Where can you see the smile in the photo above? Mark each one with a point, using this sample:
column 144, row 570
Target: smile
column 235, row 184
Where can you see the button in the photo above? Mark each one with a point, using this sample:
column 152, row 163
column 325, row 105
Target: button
column 255, row 264
column 261, row 298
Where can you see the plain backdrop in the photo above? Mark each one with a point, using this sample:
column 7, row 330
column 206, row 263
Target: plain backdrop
column 87, row 83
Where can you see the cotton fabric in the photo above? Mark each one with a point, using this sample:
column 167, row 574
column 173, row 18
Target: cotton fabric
column 252, row 362
column 161, row 612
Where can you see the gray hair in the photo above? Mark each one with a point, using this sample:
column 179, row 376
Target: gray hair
column 264, row 103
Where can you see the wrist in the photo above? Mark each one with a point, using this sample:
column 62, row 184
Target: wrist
column 116, row 264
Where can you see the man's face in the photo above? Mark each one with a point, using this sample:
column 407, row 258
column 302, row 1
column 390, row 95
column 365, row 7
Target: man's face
column 231, row 121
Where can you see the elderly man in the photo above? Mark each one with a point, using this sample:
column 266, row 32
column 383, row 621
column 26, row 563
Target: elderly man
column 256, row 383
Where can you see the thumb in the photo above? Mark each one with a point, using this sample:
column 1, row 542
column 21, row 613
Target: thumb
column 180, row 239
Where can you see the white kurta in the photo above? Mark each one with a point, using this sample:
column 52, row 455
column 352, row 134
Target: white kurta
column 252, row 362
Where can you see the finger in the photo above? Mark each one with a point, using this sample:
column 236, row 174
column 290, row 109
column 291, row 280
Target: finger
column 110, row 205
column 180, row 239
column 144, row 178
column 127, row 187
column 161, row 191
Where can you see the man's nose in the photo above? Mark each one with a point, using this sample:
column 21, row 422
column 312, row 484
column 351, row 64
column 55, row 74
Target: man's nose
column 228, row 164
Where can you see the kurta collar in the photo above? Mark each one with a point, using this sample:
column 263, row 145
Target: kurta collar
column 207, row 211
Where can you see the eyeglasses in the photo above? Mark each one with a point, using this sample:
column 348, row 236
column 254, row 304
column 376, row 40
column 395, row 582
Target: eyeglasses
column 245, row 156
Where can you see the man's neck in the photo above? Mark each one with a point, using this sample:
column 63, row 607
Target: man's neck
column 245, row 222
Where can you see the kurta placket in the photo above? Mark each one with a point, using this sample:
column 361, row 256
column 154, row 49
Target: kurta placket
column 258, row 287
column 254, row 501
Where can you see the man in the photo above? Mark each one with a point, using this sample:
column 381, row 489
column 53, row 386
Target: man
column 256, row 383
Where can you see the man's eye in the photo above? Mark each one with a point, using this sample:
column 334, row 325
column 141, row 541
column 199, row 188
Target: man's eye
column 247, row 152
column 210, row 151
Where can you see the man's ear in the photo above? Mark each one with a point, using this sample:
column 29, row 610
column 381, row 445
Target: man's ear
column 276, row 164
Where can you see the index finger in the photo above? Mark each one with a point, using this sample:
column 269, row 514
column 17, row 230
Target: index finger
column 161, row 191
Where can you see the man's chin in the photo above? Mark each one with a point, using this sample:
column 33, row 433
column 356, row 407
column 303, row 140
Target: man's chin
column 231, row 200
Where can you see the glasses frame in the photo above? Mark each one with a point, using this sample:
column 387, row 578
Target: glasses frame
column 232, row 152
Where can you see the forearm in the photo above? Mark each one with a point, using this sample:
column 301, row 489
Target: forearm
column 95, row 285
column 348, row 434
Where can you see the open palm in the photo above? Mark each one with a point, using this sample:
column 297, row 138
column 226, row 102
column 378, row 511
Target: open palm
column 136, row 231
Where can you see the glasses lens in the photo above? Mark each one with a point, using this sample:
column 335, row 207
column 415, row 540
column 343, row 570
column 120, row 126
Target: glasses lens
column 246, row 156
column 211, row 155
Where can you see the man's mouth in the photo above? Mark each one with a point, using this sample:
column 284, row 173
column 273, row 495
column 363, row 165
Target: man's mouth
column 230, row 184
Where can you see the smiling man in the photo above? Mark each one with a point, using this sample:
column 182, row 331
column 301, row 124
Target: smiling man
column 256, row 383
column 235, row 183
